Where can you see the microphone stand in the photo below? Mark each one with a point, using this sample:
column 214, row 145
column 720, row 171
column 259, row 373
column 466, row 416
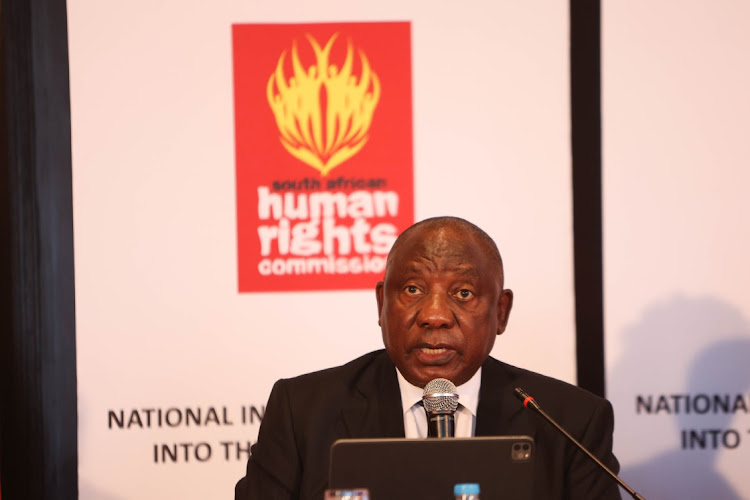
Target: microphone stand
column 441, row 424
column 528, row 402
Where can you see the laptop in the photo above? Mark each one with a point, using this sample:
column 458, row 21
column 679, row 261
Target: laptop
column 411, row 469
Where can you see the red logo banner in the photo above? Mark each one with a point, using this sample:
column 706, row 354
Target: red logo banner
column 323, row 133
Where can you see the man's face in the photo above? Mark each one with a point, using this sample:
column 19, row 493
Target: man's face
column 441, row 305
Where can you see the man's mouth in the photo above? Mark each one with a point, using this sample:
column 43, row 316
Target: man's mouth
column 435, row 356
column 432, row 351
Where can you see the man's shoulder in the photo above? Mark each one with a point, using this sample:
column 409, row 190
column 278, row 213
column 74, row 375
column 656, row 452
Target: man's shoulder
column 547, row 391
column 345, row 376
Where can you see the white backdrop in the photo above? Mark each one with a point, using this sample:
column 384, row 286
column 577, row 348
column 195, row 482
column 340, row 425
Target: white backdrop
column 676, row 124
column 160, row 323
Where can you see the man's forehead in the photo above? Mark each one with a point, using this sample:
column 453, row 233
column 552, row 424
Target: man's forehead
column 440, row 241
column 447, row 247
column 424, row 266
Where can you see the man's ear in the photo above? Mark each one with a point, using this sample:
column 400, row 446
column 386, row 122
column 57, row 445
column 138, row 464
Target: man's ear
column 379, row 297
column 504, row 305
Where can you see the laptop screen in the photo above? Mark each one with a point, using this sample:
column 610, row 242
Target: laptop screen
column 409, row 469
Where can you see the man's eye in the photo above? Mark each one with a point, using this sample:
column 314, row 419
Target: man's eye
column 412, row 290
column 464, row 294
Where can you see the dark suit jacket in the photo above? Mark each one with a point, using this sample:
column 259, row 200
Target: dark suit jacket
column 361, row 399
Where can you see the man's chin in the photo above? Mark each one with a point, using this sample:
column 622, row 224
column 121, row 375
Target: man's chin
column 423, row 377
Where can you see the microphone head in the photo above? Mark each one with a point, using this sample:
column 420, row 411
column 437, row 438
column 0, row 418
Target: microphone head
column 528, row 401
column 520, row 393
column 440, row 396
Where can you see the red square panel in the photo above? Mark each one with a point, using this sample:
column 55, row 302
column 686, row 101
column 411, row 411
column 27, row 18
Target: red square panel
column 323, row 132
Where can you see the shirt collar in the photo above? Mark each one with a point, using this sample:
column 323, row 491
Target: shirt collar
column 468, row 393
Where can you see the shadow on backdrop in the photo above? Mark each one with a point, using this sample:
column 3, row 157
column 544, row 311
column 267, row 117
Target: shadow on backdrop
column 715, row 337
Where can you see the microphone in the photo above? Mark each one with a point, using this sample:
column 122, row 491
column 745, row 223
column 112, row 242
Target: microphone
column 440, row 402
column 528, row 402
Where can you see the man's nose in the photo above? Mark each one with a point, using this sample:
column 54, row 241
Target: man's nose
column 436, row 312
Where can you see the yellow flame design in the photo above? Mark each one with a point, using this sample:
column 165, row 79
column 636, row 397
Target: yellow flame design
column 323, row 134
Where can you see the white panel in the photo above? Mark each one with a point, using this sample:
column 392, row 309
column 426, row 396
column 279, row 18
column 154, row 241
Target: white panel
column 160, row 323
column 676, row 124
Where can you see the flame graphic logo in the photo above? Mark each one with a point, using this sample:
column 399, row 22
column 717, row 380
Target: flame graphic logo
column 323, row 113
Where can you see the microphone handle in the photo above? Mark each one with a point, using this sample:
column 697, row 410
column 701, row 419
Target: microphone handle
column 441, row 425
column 535, row 406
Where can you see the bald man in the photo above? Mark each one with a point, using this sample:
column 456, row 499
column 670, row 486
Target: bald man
column 441, row 305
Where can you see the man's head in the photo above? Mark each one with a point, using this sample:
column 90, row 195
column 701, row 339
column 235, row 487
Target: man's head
column 442, row 302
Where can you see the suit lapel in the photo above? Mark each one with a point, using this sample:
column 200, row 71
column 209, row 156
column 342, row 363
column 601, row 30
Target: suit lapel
column 375, row 410
column 499, row 412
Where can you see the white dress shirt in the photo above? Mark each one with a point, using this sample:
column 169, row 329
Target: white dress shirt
column 415, row 418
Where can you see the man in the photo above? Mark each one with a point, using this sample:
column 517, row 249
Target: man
column 441, row 305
